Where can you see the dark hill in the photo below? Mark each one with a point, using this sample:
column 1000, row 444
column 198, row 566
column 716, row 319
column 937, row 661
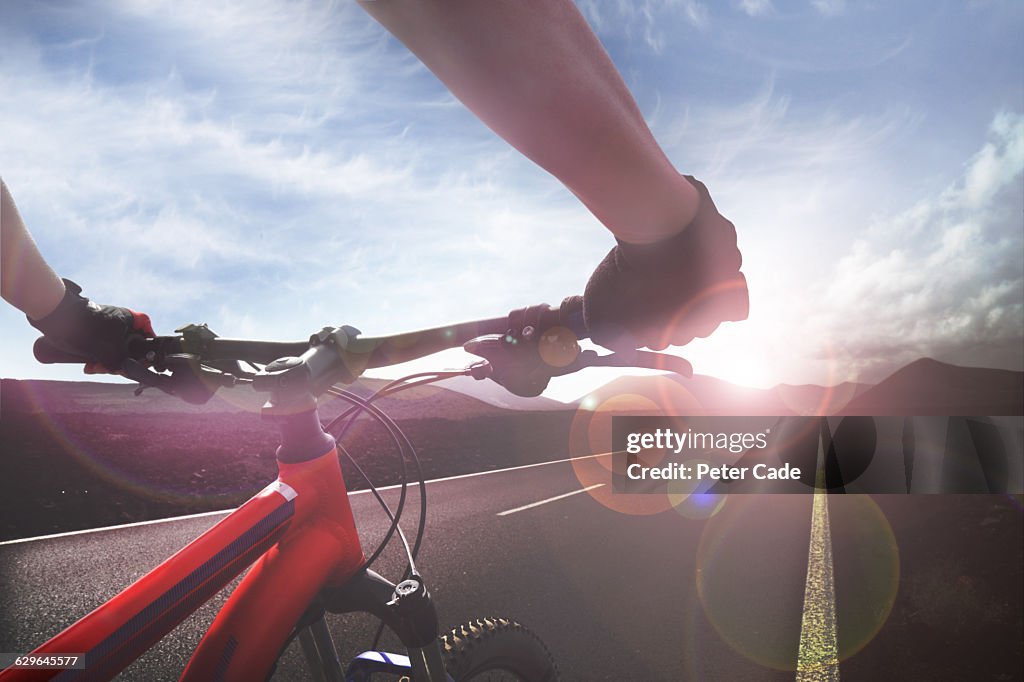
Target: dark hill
column 81, row 454
column 929, row 387
column 60, row 397
column 707, row 395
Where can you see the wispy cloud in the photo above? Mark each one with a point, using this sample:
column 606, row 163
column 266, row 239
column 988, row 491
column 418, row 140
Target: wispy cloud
column 654, row 22
column 764, row 134
column 272, row 166
column 695, row 12
column 829, row 7
column 244, row 170
column 756, row 8
column 943, row 278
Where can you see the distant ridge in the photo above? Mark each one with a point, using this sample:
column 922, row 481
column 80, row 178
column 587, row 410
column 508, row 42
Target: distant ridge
column 923, row 387
column 498, row 396
column 707, row 395
column 32, row 395
column 929, row 387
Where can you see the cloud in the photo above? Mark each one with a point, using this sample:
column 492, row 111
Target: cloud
column 842, row 288
column 829, row 7
column 766, row 134
column 998, row 162
column 756, row 8
column 649, row 21
column 275, row 167
column 695, row 12
column 944, row 278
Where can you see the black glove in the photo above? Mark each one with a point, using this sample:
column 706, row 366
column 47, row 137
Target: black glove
column 671, row 291
column 98, row 333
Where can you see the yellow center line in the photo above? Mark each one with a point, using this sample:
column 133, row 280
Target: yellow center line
column 818, row 656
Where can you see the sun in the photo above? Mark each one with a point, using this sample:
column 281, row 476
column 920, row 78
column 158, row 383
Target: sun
column 735, row 359
column 747, row 371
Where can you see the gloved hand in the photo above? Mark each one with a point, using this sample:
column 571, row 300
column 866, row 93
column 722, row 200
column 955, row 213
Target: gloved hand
column 671, row 291
column 96, row 332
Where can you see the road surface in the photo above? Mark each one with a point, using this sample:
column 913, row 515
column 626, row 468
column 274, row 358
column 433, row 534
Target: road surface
column 770, row 587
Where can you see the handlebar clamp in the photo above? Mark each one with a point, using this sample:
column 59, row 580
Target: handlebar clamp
column 536, row 347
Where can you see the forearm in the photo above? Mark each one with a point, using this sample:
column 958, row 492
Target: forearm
column 26, row 280
column 537, row 75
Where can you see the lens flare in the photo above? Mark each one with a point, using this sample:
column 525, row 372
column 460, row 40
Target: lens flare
column 558, row 347
column 700, row 312
column 867, row 569
column 590, row 437
column 752, row 568
column 690, row 497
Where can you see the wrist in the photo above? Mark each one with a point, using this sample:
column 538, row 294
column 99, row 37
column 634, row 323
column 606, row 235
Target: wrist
column 45, row 300
column 652, row 259
column 63, row 316
column 653, row 224
column 663, row 255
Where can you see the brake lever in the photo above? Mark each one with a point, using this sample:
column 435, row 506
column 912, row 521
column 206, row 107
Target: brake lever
column 189, row 380
column 145, row 377
column 636, row 358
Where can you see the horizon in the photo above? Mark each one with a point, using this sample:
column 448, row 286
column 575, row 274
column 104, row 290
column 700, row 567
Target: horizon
column 581, row 398
column 271, row 168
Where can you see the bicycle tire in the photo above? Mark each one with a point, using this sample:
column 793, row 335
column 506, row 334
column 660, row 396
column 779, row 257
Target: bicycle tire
column 496, row 649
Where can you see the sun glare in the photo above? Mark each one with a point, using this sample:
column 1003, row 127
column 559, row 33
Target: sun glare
column 735, row 354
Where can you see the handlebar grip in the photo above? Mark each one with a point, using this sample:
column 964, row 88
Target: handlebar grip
column 663, row 362
column 49, row 353
column 569, row 314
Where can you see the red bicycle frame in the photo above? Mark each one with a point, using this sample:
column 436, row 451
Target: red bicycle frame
column 300, row 532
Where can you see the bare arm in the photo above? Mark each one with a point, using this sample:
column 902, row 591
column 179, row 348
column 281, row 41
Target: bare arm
column 536, row 74
column 28, row 282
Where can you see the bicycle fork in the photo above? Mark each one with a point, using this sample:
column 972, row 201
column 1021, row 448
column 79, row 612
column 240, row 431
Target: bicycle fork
column 407, row 609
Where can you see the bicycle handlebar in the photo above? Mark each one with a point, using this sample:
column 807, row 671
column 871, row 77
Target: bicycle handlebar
column 391, row 350
column 387, row 350
column 335, row 354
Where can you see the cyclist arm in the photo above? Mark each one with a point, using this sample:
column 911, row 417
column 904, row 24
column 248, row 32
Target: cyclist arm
column 95, row 331
column 26, row 280
column 537, row 75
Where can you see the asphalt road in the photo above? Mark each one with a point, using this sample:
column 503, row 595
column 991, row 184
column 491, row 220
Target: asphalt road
column 918, row 587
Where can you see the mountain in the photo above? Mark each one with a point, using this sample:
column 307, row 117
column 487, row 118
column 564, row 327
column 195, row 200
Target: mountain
column 497, row 395
column 707, row 395
column 808, row 399
column 924, row 387
column 86, row 454
column 929, row 387
column 56, row 397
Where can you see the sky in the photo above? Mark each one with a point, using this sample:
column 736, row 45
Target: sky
column 271, row 167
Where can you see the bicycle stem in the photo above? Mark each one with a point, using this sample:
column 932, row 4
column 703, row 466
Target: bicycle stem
column 407, row 608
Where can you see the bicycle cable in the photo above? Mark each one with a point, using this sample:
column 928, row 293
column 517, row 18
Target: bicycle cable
column 360, row 405
column 397, row 386
column 393, row 432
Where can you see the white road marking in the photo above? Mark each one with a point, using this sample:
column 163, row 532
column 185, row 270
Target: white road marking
column 818, row 655
column 491, row 471
column 550, row 499
column 228, row 511
column 117, row 527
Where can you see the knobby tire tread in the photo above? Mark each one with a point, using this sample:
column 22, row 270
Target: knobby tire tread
column 496, row 645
